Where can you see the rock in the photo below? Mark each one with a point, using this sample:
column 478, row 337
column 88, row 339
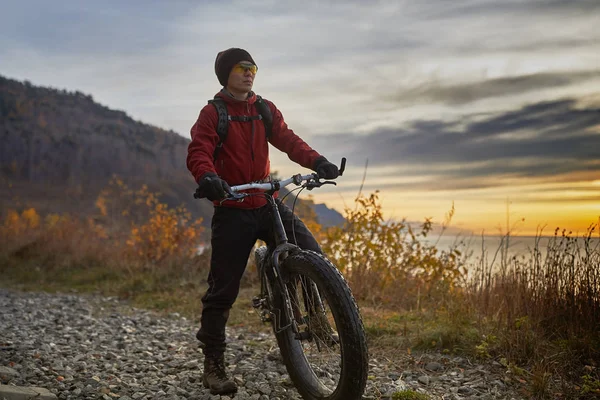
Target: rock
column 105, row 349
column 466, row 390
column 434, row 366
column 25, row 393
column 7, row 374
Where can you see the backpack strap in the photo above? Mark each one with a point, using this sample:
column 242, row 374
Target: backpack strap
column 222, row 123
column 265, row 112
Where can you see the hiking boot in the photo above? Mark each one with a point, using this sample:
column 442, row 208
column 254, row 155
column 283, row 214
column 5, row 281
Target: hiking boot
column 215, row 376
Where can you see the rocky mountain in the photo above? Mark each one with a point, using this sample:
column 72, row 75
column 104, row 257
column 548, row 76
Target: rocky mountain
column 328, row 216
column 60, row 148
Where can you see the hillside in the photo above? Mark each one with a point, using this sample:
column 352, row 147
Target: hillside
column 60, row 148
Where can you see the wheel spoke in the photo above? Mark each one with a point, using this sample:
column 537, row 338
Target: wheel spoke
column 320, row 342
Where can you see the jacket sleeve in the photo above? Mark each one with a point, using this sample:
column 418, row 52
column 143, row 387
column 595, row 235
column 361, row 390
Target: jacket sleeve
column 284, row 139
column 203, row 144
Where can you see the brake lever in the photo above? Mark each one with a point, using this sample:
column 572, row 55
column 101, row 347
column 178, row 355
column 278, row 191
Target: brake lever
column 234, row 196
column 317, row 184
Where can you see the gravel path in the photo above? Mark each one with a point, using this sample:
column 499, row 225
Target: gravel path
column 91, row 347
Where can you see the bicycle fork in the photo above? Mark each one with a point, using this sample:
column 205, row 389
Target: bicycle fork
column 288, row 314
column 269, row 271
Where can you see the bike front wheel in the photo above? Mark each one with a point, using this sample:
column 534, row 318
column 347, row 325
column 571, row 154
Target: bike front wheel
column 327, row 358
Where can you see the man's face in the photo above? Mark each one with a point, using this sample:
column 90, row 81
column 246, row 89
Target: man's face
column 241, row 77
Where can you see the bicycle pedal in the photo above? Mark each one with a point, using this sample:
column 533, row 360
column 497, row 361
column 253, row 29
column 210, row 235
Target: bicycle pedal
column 257, row 302
column 265, row 316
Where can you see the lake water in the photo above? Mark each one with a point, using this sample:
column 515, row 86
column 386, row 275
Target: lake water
column 488, row 246
column 492, row 246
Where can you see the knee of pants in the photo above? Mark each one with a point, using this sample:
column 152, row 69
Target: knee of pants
column 305, row 240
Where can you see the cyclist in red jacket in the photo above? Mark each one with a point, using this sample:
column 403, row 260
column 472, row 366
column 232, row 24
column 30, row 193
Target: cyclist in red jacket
column 236, row 226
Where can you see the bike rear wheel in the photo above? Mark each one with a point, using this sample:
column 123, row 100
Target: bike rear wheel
column 328, row 358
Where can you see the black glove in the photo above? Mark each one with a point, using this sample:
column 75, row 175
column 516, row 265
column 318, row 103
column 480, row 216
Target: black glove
column 325, row 169
column 212, row 187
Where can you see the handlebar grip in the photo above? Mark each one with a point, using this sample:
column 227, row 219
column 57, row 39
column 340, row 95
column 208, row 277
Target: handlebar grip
column 342, row 166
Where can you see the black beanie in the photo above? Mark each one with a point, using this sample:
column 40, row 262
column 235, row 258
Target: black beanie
column 227, row 59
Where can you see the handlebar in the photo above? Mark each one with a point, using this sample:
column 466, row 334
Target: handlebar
column 312, row 181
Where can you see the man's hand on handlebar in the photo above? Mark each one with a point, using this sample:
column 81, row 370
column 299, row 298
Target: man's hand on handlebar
column 326, row 169
column 212, row 187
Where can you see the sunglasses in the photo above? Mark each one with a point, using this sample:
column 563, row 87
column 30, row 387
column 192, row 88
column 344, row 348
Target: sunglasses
column 242, row 68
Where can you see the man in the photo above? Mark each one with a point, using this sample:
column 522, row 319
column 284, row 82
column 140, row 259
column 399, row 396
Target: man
column 243, row 158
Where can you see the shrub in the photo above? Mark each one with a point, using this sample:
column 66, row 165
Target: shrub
column 387, row 261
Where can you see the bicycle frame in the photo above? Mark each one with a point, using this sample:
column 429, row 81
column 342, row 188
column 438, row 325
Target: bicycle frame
column 277, row 254
column 282, row 247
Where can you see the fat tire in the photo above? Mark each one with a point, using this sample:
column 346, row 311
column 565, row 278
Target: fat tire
column 333, row 286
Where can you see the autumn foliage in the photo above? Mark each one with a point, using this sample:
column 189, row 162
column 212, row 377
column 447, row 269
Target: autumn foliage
column 389, row 262
column 132, row 227
column 156, row 231
column 56, row 240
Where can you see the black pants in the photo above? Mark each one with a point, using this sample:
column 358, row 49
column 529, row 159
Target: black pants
column 234, row 233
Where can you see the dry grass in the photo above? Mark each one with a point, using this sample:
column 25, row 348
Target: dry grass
column 538, row 315
column 544, row 312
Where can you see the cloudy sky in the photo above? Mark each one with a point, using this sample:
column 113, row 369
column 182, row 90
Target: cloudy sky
column 476, row 103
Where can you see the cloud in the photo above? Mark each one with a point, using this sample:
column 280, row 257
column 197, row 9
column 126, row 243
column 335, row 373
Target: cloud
column 321, row 61
column 459, row 94
column 558, row 7
column 90, row 28
column 541, row 140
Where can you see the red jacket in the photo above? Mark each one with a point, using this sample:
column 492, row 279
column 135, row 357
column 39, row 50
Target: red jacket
column 244, row 157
